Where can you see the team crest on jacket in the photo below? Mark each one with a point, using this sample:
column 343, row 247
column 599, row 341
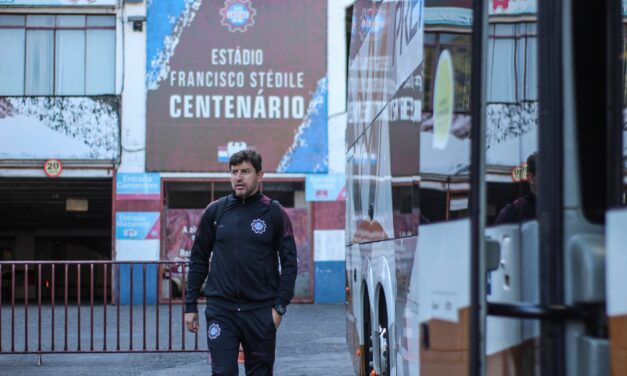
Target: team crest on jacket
column 214, row 331
column 258, row 226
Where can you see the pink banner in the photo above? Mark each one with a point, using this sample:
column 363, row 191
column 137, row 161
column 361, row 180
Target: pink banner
column 180, row 232
column 300, row 226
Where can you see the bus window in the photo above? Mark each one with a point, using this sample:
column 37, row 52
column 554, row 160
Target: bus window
column 511, row 147
column 512, row 119
column 445, row 149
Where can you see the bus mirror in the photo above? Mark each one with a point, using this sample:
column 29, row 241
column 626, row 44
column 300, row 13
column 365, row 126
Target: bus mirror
column 493, row 255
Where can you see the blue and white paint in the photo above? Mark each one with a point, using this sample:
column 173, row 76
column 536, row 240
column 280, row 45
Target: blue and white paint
column 166, row 22
column 329, row 278
column 309, row 151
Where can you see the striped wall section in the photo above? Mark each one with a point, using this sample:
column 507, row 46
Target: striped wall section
column 329, row 260
column 329, row 278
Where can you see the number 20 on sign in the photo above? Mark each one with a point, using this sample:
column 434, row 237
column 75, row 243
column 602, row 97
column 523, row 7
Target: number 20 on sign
column 53, row 168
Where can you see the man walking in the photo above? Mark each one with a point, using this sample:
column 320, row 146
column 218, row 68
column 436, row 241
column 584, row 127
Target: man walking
column 245, row 235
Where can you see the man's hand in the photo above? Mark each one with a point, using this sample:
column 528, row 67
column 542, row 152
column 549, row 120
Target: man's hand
column 191, row 320
column 276, row 318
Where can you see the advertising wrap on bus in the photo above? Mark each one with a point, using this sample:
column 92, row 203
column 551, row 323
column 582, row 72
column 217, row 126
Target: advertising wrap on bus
column 477, row 240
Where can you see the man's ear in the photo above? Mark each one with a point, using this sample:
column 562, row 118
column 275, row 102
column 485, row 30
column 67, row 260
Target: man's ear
column 260, row 174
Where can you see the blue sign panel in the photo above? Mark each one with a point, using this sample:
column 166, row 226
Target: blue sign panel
column 138, row 186
column 137, row 225
column 325, row 187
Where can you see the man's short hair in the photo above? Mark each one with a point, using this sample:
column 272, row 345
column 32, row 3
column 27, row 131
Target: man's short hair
column 247, row 155
column 531, row 163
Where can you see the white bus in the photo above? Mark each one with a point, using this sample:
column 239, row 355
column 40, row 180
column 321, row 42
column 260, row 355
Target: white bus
column 462, row 258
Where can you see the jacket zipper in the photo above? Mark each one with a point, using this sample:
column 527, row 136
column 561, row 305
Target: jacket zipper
column 237, row 249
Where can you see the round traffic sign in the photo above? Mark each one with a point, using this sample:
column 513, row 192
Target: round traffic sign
column 53, row 168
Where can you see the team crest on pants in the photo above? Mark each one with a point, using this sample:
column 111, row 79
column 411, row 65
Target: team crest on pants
column 258, row 226
column 214, row 331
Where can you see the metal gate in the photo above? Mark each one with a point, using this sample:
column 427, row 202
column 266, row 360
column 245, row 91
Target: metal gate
column 69, row 307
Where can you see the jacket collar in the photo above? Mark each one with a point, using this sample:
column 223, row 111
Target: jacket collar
column 252, row 198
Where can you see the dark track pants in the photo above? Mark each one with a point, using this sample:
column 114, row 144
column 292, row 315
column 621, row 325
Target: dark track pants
column 255, row 330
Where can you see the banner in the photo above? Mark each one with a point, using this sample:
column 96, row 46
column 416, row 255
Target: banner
column 180, row 233
column 227, row 75
column 300, row 227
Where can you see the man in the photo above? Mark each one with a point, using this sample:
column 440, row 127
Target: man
column 524, row 207
column 246, row 294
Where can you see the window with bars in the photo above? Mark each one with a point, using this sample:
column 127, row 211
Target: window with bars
column 57, row 55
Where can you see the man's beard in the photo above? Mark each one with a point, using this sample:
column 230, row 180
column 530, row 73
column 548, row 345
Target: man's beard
column 246, row 193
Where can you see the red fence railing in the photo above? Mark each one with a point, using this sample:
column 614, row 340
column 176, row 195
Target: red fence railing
column 93, row 306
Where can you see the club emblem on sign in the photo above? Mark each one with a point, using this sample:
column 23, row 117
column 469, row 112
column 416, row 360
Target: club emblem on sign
column 238, row 15
column 214, row 331
column 258, row 226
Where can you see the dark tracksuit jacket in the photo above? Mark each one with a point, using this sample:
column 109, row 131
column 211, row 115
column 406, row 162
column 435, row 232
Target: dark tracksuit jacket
column 244, row 268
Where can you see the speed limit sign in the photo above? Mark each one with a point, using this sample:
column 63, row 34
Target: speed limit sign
column 53, row 168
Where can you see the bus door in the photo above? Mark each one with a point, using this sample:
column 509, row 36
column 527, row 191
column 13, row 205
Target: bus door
column 547, row 298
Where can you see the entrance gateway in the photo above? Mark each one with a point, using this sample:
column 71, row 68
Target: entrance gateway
column 54, row 219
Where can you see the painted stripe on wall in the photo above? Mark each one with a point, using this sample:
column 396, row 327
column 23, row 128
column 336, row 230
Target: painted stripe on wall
column 329, row 215
column 137, row 250
column 329, row 245
column 329, row 282
column 329, row 278
column 138, row 284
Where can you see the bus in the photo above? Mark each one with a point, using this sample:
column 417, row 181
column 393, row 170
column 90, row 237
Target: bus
column 486, row 220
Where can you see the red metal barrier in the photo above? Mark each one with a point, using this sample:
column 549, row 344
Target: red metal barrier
column 28, row 293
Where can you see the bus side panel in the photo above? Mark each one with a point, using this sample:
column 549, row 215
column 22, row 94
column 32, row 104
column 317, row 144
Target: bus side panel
column 407, row 334
column 616, row 292
column 443, row 283
column 353, row 299
column 512, row 344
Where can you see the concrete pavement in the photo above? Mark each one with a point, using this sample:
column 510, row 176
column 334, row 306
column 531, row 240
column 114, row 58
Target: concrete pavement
column 310, row 341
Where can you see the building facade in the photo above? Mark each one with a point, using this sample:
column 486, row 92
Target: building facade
column 117, row 120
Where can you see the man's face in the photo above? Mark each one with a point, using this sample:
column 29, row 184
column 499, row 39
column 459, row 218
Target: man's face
column 245, row 179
